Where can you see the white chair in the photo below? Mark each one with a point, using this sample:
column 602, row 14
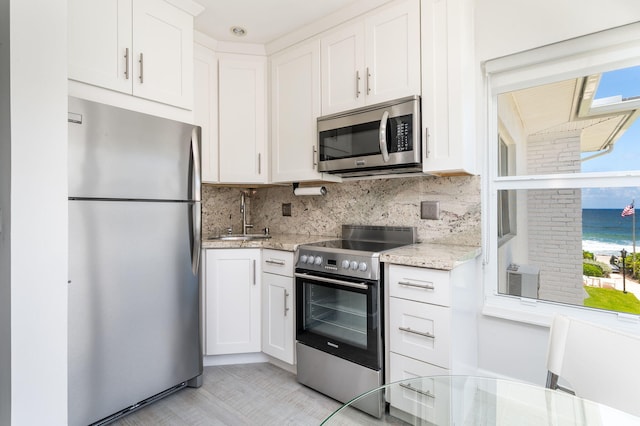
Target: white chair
column 598, row 363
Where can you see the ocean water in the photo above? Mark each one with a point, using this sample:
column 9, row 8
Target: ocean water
column 604, row 231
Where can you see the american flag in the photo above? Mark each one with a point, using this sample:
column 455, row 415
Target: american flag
column 628, row 211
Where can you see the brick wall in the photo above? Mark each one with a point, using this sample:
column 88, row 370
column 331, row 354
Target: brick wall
column 555, row 219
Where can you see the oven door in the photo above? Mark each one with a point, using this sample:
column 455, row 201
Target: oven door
column 340, row 316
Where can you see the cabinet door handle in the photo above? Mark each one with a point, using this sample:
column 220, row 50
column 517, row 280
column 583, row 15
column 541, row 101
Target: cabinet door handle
column 368, row 83
column 259, row 163
column 254, row 272
column 286, row 294
column 314, row 156
column 126, row 63
column 275, row 262
column 357, row 84
column 421, row 392
column 419, row 333
column 141, row 60
column 423, row 286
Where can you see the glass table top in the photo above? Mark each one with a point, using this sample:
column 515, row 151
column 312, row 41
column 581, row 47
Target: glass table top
column 467, row 400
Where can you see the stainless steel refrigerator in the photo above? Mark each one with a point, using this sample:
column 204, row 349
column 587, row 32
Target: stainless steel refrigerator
column 134, row 245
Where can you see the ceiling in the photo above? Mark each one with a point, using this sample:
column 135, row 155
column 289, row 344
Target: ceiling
column 552, row 108
column 264, row 20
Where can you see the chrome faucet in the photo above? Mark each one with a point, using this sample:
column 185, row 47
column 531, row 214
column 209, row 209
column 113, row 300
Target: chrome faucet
column 243, row 211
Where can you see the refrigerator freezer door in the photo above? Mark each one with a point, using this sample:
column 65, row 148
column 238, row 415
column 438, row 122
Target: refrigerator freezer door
column 134, row 315
column 116, row 153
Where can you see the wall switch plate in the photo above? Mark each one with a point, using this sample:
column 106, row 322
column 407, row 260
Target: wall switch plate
column 286, row 209
column 430, row 210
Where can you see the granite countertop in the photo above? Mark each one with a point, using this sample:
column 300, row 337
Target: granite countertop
column 430, row 255
column 286, row 242
column 423, row 255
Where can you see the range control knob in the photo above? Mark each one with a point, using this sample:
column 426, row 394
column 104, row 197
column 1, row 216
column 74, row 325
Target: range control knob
column 353, row 265
column 362, row 266
column 310, row 260
column 318, row 260
column 345, row 264
column 303, row 258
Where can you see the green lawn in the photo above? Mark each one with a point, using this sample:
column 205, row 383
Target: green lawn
column 612, row 300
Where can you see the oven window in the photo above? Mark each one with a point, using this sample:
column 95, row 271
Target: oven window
column 336, row 314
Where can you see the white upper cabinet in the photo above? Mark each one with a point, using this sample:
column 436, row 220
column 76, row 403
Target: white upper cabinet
column 342, row 69
column 393, row 53
column 100, row 43
column 295, row 107
column 205, row 108
column 448, row 95
column 373, row 59
column 138, row 47
column 162, row 53
column 242, row 118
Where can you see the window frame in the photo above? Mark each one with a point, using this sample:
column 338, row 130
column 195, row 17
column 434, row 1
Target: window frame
column 506, row 162
column 590, row 54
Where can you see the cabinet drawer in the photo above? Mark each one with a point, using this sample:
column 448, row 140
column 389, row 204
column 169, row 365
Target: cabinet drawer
column 420, row 331
column 427, row 400
column 423, row 285
column 277, row 262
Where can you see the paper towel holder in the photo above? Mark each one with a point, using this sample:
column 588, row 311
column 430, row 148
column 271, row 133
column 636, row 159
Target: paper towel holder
column 308, row 190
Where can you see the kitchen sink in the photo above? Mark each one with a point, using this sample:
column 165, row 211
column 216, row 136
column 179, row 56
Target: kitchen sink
column 240, row 237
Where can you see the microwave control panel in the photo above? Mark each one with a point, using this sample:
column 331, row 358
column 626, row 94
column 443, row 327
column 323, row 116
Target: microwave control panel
column 403, row 134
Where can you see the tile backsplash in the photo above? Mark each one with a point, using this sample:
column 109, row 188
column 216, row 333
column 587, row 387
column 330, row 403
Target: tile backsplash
column 390, row 202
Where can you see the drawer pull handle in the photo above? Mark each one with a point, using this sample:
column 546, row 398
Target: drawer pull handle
column 423, row 286
column 275, row 262
column 419, row 333
column 421, row 392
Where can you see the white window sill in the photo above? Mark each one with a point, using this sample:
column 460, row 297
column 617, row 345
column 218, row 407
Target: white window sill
column 541, row 313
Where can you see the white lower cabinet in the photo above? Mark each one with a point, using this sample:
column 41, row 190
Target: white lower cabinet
column 431, row 331
column 420, row 331
column 232, row 299
column 278, row 305
column 427, row 400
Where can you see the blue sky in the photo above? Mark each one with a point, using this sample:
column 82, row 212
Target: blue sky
column 626, row 154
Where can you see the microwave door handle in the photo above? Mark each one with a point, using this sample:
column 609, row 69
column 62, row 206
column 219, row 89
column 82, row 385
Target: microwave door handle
column 383, row 136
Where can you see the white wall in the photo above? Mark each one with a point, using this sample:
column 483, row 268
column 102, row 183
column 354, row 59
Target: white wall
column 35, row 245
column 503, row 27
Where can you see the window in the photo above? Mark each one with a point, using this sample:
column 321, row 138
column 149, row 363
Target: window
column 563, row 164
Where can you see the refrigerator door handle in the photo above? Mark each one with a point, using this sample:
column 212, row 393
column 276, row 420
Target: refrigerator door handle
column 196, row 184
column 197, row 226
column 197, row 176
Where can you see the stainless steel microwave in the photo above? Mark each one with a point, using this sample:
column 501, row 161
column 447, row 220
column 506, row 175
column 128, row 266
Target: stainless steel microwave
column 378, row 139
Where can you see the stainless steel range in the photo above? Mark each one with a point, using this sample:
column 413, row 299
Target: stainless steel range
column 339, row 318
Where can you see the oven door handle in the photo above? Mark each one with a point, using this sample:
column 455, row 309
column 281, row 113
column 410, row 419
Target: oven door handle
column 362, row 286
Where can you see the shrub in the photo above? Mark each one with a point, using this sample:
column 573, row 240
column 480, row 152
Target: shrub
column 591, row 270
column 604, row 269
column 587, row 255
